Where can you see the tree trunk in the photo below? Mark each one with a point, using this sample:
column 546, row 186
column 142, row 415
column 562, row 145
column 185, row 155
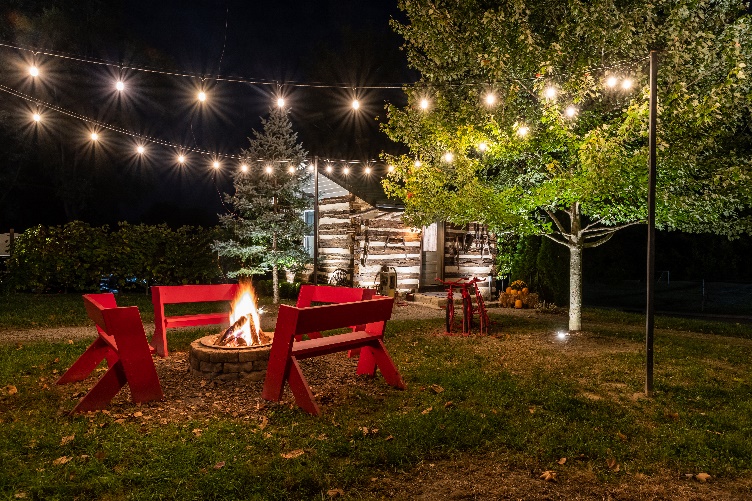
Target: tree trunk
column 575, row 287
column 275, row 271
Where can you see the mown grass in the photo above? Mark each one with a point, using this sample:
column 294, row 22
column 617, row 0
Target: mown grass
column 522, row 394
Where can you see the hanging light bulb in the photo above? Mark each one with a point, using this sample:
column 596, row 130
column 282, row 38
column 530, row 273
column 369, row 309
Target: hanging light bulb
column 268, row 169
column 329, row 169
column 37, row 117
column 611, row 82
column 627, row 84
column 181, row 159
column 570, row 111
column 346, row 171
column 523, row 130
column 367, row 170
column 33, row 71
column 94, row 136
column 215, row 164
column 291, row 169
column 424, row 104
column 310, row 168
column 448, row 157
column 244, row 168
column 390, row 168
column 356, row 104
column 490, row 99
column 550, row 92
column 140, row 150
column 202, row 96
column 280, row 102
column 418, row 163
column 482, row 147
column 120, row 85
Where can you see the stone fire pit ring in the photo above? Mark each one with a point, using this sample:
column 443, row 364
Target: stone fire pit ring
column 228, row 363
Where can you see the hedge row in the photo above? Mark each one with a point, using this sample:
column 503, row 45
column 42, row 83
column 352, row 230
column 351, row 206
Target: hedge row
column 76, row 257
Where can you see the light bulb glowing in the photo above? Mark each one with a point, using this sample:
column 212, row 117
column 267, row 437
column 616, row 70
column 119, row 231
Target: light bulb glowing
column 550, row 93
column 280, row 102
column 482, row 147
column 94, row 136
column 140, row 150
column 310, row 168
column 346, row 171
column 448, row 157
column 202, row 96
column 570, row 111
column 291, row 169
column 424, row 104
column 215, row 164
column 33, row 71
column 119, row 85
column 244, row 168
column 181, row 159
column 490, row 99
column 627, row 84
column 561, row 335
column 522, row 131
column 268, row 169
column 418, row 163
column 356, row 104
column 611, row 82
column 329, row 169
column 390, row 168
column 37, row 117
column 367, row 170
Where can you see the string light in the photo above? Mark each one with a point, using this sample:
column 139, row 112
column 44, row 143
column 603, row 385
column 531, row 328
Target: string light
column 268, row 169
column 522, row 131
column 390, row 168
column 215, row 164
column 310, row 168
column 448, row 157
column 490, row 99
column 37, row 117
column 482, row 147
column 367, row 170
column 418, row 163
column 550, row 93
column 202, row 96
column 33, row 71
column 570, row 111
column 329, row 169
column 244, row 168
column 626, row 84
column 181, row 159
column 120, row 85
column 291, row 169
column 94, row 136
column 611, row 81
column 280, row 102
column 424, row 104
column 356, row 104
column 140, row 150
column 346, row 171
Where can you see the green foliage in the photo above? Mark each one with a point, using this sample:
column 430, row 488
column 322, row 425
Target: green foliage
column 75, row 256
column 544, row 266
column 265, row 227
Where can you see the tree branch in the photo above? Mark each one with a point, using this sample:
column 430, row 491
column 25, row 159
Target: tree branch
column 558, row 240
column 590, row 245
column 609, row 229
column 556, row 221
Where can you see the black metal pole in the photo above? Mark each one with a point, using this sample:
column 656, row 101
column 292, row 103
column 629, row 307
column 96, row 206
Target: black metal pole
column 316, row 220
column 650, row 309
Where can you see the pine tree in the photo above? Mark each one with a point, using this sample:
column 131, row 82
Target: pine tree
column 265, row 222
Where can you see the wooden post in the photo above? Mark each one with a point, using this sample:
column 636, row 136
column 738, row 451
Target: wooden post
column 650, row 307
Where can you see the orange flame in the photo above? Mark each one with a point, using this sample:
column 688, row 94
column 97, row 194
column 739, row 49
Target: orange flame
column 245, row 305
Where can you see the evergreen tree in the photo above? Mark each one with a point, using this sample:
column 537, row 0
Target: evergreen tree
column 265, row 223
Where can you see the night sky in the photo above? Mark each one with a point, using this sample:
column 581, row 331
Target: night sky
column 280, row 42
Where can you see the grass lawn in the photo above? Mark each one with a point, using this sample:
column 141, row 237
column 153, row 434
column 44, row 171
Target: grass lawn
column 497, row 411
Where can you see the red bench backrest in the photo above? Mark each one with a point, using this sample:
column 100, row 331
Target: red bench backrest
column 168, row 294
column 372, row 312
column 331, row 294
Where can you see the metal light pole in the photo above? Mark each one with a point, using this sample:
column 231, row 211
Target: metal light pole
column 316, row 220
column 650, row 309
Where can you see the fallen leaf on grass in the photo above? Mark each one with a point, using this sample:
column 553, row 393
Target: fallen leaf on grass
column 621, row 436
column 293, row 454
column 61, row 460
column 426, row 411
column 10, row 389
column 263, row 423
column 390, row 437
column 562, row 460
column 548, row 476
column 219, row 465
column 334, row 493
column 197, row 432
column 702, row 477
column 20, row 495
column 68, row 439
column 138, row 414
column 365, row 430
column 448, row 404
column 70, row 341
column 613, row 465
column 436, row 388
column 532, row 410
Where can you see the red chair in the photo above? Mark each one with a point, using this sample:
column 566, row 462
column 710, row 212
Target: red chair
column 122, row 341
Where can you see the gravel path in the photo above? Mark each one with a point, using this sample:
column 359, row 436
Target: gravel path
column 402, row 311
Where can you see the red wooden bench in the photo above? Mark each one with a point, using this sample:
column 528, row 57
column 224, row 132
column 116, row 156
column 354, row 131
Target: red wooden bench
column 330, row 294
column 122, row 341
column 175, row 294
column 285, row 352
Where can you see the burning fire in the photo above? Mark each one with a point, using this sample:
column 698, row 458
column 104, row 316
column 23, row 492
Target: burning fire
column 245, row 322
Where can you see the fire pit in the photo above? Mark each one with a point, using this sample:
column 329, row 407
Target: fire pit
column 241, row 351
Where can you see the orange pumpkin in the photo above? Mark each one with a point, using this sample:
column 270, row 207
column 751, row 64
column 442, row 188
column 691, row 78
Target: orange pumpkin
column 518, row 304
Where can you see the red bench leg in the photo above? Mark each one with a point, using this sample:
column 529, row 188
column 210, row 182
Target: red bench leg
column 104, row 391
column 300, row 389
column 159, row 341
column 88, row 361
column 376, row 355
